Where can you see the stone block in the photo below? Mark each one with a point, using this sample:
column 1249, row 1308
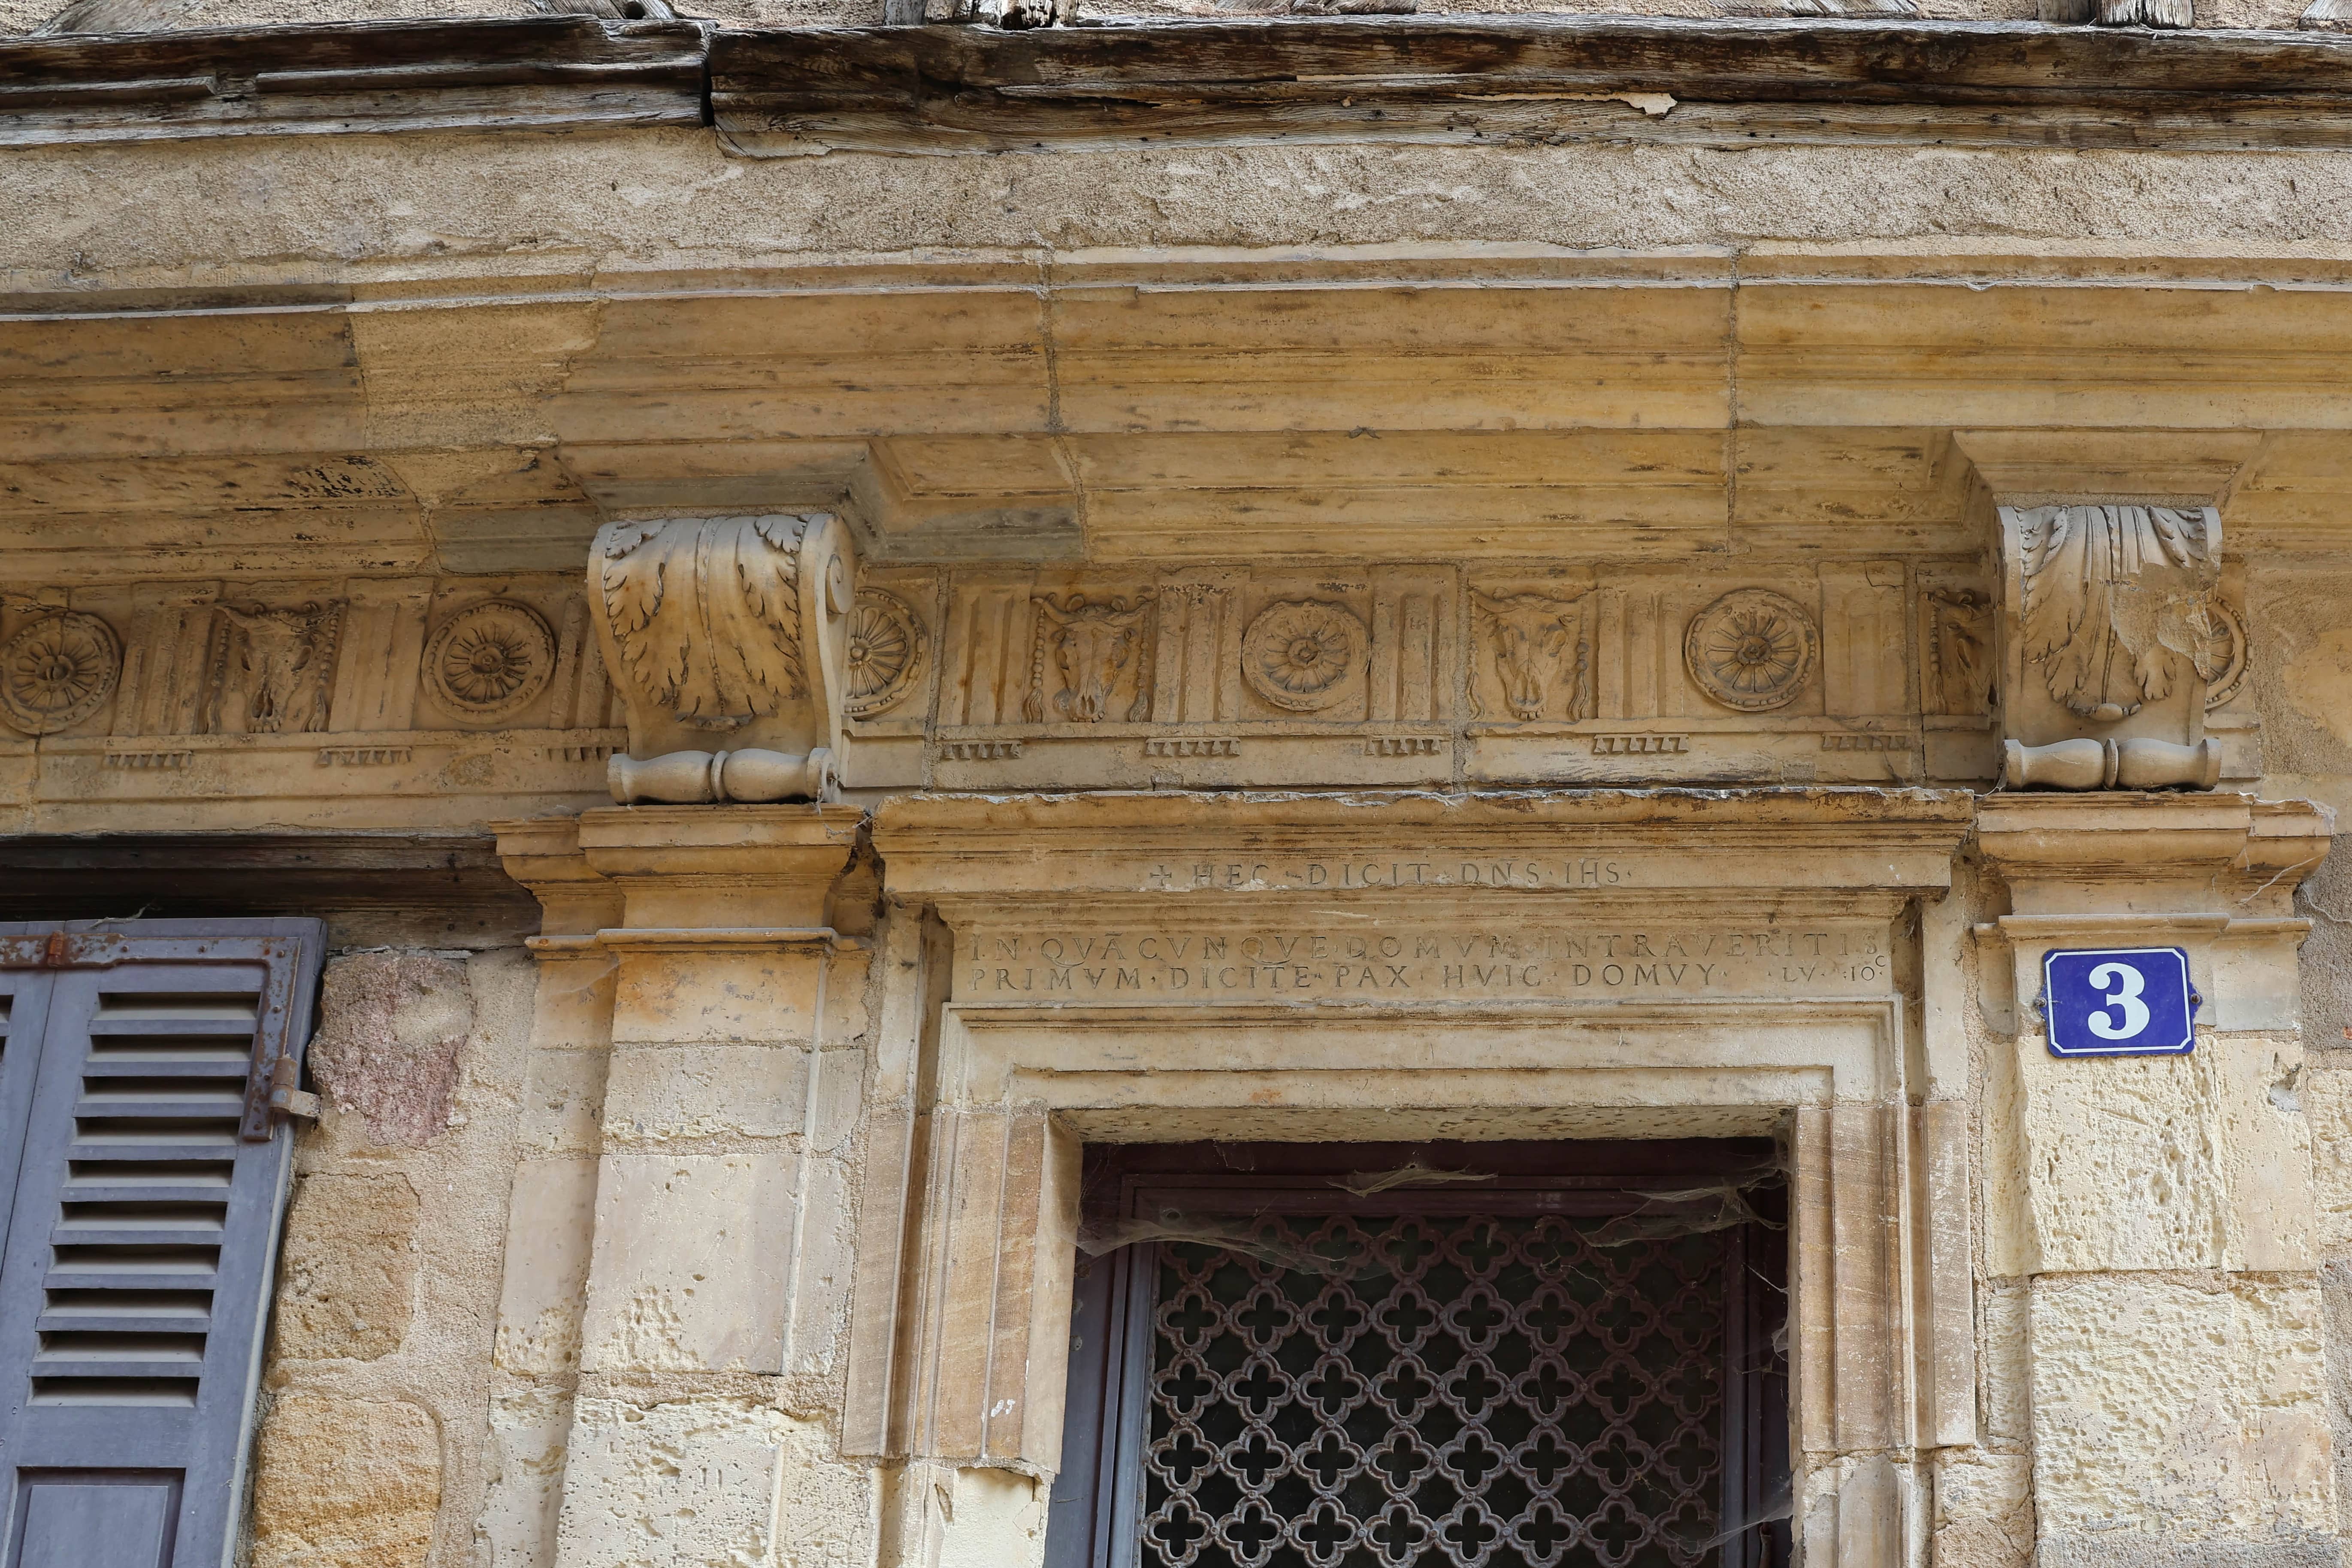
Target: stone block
column 563, row 1101
column 2335, row 1303
column 2125, row 1161
column 839, row 1097
column 2253, row 986
column 2194, row 1162
column 2327, row 1095
column 664, row 1094
column 826, row 1263
column 550, row 1233
column 574, row 1005
column 1984, row 1510
column 2266, row 1152
column 693, row 1257
column 345, row 1483
column 708, row 1483
column 392, row 1029
column 2325, row 967
column 997, row 1519
column 530, row 1433
column 2112, row 1552
column 845, row 1016
column 347, row 1274
column 2006, row 1363
column 2166, row 1413
column 1855, row 1510
column 681, row 995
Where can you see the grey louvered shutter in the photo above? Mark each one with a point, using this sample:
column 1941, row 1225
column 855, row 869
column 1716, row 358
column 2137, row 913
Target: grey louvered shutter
column 150, row 1175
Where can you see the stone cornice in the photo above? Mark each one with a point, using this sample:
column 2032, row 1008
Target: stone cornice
column 953, row 89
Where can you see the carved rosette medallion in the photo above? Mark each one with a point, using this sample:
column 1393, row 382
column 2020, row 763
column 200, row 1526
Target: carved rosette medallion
column 1752, row 649
column 2219, row 651
column 887, row 649
column 1299, row 654
column 58, row 671
column 490, row 660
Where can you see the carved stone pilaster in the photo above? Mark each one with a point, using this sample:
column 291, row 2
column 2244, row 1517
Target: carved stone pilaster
column 728, row 638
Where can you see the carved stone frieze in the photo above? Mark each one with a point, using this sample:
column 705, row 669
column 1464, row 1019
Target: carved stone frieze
column 57, row 671
column 490, row 660
column 1958, row 650
column 230, row 705
column 274, row 667
column 1752, row 649
column 1086, row 653
column 726, row 626
column 1195, row 676
column 1302, row 654
column 1533, row 649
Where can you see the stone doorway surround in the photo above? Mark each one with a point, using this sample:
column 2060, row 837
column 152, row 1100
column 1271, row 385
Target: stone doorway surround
column 1154, row 966
column 844, row 1067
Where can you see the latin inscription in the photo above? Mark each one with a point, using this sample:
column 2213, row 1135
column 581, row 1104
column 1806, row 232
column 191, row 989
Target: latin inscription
column 1448, row 962
column 1389, row 871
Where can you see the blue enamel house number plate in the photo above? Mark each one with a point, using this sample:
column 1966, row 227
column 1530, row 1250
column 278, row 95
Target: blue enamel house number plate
column 2119, row 1001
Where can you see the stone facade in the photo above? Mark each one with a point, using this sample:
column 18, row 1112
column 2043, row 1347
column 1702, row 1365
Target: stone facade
column 1346, row 580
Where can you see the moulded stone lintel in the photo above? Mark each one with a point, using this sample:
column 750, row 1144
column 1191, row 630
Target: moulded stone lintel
column 1167, row 845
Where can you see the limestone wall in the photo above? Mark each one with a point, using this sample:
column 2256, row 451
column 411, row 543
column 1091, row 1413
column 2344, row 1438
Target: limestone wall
column 376, row 1445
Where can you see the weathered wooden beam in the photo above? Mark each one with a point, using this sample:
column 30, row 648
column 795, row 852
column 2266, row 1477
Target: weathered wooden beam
column 1517, row 78
column 452, row 882
column 1340, row 79
column 546, row 73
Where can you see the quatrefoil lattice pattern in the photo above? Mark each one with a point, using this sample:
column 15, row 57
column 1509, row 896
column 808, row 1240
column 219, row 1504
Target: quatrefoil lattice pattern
column 1452, row 1393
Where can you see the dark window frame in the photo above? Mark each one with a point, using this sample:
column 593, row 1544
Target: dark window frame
column 1097, row 1496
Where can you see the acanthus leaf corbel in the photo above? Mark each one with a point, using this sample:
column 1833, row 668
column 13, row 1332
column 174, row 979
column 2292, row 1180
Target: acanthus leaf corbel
column 728, row 630
column 2110, row 609
column 2112, row 632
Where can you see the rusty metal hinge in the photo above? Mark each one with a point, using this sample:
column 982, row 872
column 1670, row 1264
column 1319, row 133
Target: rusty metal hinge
column 287, row 1096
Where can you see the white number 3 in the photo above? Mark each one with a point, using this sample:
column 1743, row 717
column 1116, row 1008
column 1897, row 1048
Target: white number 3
column 2128, row 983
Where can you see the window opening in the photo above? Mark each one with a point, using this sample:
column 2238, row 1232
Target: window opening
column 1511, row 1356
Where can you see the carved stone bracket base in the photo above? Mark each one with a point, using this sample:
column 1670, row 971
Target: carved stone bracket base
column 749, row 777
column 2112, row 764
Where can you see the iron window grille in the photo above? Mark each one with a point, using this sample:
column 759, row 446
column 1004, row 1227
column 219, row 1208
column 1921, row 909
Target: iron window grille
column 1466, row 1355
